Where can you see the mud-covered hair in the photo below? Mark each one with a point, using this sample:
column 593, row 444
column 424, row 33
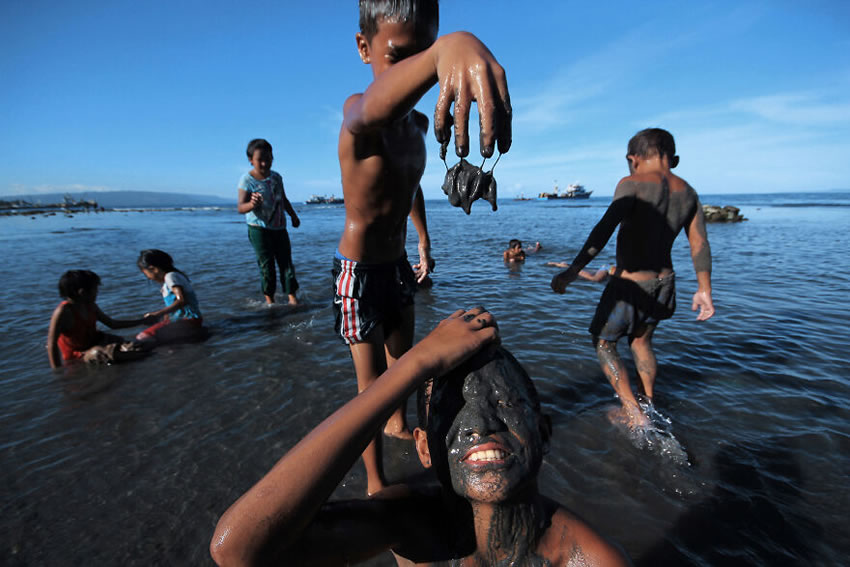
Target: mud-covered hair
column 421, row 12
column 652, row 142
column 73, row 281
column 258, row 144
column 479, row 361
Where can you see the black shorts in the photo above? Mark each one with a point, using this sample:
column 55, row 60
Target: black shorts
column 626, row 306
column 366, row 295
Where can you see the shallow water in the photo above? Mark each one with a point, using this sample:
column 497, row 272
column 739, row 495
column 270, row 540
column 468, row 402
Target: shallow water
column 133, row 464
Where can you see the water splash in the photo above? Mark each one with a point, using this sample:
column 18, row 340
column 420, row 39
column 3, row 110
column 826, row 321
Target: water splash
column 658, row 438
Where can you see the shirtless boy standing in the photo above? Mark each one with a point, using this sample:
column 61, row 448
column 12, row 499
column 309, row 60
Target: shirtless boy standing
column 382, row 158
column 651, row 206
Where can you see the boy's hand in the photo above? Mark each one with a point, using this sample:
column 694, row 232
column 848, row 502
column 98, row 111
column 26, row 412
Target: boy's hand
column 561, row 281
column 466, row 72
column 296, row 222
column 702, row 301
column 459, row 337
column 425, row 266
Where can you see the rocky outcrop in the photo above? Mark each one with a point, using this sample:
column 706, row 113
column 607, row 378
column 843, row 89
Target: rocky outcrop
column 722, row 214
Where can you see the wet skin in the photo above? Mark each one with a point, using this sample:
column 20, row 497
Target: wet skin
column 487, row 438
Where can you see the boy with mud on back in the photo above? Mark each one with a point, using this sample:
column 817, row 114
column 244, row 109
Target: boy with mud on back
column 382, row 158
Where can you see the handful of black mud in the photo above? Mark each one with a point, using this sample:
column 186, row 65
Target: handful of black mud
column 465, row 182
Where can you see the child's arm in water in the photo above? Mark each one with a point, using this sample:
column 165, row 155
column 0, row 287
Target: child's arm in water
column 465, row 70
column 60, row 321
column 268, row 521
column 121, row 323
column 179, row 301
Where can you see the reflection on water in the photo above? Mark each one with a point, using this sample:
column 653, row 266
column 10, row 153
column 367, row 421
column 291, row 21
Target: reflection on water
column 133, row 464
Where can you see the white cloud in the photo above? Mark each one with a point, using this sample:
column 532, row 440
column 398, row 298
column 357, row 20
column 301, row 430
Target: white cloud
column 804, row 108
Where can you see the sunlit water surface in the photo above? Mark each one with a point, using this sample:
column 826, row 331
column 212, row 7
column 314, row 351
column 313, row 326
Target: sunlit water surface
column 133, row 464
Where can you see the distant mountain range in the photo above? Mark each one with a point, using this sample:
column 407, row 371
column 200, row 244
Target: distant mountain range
column 128, row 199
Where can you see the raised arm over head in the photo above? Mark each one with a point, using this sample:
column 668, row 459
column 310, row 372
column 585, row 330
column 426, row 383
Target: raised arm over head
column 276, row 513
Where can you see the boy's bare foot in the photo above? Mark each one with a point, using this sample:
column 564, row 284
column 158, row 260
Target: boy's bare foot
column 293, row 300
column 269, row 299
column 632, row 420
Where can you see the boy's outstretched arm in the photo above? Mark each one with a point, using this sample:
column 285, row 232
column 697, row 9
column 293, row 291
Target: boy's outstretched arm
column 272, row 516
column 701, row 256
column 465, row 70
column 623, row 201
column 420, row 222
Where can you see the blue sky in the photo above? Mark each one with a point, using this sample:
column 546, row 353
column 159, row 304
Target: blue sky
column 164, row 96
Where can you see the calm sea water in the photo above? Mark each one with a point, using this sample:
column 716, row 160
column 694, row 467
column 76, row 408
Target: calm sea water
column 133, row 464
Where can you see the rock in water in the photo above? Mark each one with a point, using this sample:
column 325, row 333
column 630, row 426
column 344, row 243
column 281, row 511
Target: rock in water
column 722, row 214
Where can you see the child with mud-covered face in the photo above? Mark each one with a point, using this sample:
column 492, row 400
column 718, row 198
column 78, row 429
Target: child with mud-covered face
column 483, row 434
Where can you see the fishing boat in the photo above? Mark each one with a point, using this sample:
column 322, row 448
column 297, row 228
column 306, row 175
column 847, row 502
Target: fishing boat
column 324, row 200
column 573, row 191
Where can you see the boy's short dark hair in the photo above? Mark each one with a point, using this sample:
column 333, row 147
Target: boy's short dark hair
column 514, row 242
column 73, row 281
column 258, row 144
column 420, row 12
column 651, row 142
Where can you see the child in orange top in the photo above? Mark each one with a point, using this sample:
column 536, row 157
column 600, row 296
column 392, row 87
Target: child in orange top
column 73, row 333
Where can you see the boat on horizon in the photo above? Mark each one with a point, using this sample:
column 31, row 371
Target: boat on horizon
column 324, row 200
column 573, row 191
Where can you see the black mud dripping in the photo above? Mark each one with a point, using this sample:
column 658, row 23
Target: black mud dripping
column 465, row 183
column 513, row 535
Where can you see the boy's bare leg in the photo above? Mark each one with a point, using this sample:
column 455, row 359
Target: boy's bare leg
column 292, row 299
column 615, row 371
column 396, row 344
column 647, row 366
column 269, row 298
column 369, row 363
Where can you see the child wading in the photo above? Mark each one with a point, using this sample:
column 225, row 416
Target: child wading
column 263, row 200
column 73, row 326
column 181, row 316
column 382, row 157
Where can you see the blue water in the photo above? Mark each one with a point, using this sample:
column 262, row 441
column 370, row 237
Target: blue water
column 133, row 464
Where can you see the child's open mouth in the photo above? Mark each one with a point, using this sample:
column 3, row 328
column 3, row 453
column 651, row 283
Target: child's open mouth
column 488, row 453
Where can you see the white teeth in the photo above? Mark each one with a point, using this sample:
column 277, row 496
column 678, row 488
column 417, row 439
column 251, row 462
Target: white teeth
column 488, row 455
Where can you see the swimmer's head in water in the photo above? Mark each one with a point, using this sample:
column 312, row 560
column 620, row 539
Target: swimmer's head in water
column 653, row 142
column 464, row 183
column 78, row 284
column 486, row 435
column 514, row 243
